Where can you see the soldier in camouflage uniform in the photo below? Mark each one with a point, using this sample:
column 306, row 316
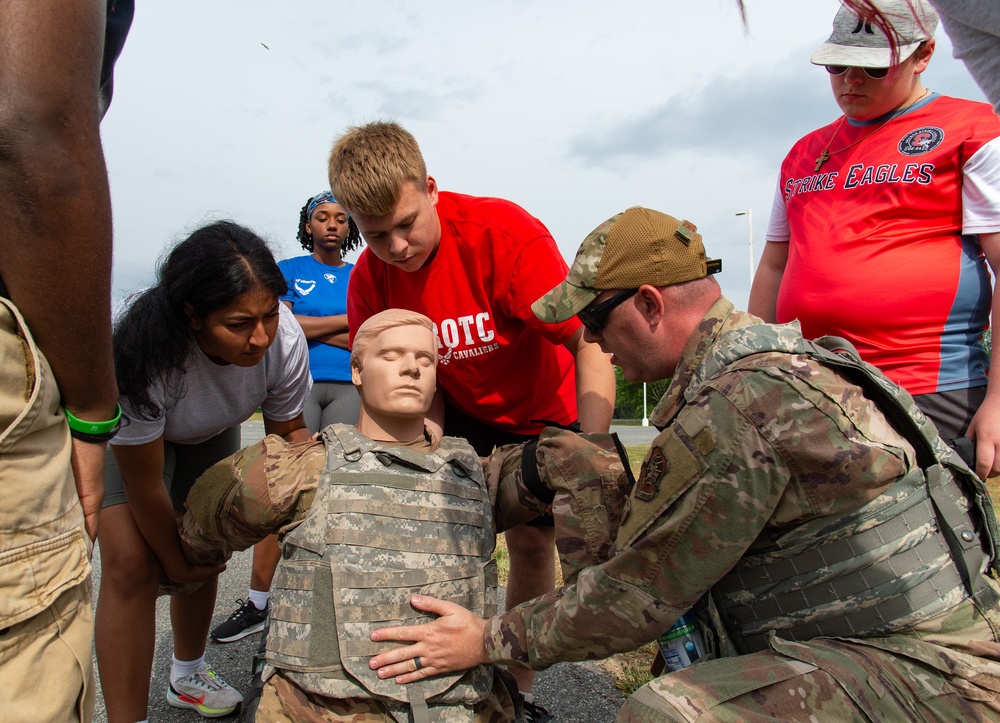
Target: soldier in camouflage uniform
column 367, row 517
column 837, row 557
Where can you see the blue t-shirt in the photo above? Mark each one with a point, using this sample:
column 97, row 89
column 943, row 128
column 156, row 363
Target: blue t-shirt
column 315, row 289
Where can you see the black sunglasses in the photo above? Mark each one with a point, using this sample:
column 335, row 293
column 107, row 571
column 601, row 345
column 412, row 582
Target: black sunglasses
column 876, row 73
column 596, row 316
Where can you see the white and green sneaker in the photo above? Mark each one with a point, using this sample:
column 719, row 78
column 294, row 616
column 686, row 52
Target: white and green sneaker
column 204, row 692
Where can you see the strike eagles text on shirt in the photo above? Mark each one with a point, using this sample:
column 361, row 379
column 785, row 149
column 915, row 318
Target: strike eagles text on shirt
column 861, row 174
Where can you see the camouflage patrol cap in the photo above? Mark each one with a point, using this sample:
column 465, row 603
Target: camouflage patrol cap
column 638, row 246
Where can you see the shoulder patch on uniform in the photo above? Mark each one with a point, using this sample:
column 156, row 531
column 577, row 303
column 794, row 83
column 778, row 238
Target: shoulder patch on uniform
column 653, row 468
column 669, row 469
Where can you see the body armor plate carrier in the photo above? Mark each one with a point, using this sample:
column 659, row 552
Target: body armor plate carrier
column 387, row 523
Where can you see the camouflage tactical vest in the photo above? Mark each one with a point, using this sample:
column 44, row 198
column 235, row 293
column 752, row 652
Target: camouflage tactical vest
column 919, row 549
column 387, row 523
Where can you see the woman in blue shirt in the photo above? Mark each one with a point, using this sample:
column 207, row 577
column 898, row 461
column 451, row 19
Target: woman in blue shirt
column 317, row 295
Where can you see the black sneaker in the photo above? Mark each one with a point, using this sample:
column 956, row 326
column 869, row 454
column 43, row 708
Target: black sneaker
column 534, row 713
column 245, row 620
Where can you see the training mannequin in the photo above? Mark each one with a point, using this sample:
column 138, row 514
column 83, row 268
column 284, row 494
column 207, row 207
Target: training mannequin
column 368, row 515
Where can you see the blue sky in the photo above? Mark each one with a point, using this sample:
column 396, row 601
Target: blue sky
column 575, row 110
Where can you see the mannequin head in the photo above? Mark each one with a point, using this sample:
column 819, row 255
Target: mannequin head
column 393, row 366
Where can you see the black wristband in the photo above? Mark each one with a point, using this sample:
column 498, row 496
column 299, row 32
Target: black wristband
column 94, row 438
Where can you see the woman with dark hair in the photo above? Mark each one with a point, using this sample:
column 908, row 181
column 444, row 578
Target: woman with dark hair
column 195, row 356
column 317, row 295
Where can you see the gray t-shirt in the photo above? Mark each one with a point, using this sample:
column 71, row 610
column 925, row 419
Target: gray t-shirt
column 207, row 398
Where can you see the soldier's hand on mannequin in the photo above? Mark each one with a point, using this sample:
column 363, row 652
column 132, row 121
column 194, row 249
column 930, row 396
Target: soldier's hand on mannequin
column 454, row 641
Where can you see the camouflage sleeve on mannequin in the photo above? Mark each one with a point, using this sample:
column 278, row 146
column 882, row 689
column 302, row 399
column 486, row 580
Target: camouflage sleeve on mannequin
column 710, row 484
column 587, row 478
column 240, row 500
column 591, row 480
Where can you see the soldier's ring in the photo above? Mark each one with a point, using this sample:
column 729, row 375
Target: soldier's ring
column 417, row 665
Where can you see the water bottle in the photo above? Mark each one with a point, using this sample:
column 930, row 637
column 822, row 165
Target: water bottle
column 682, row 644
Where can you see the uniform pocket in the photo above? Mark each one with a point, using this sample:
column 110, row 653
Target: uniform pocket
column 32, row 576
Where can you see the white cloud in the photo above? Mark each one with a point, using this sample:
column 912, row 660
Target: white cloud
column 574, row 109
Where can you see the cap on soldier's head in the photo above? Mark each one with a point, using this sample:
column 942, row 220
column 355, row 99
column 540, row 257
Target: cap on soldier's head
column 861, row 43
column 638, row 246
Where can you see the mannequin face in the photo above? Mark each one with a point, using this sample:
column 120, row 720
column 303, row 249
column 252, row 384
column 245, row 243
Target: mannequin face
column 397, row 375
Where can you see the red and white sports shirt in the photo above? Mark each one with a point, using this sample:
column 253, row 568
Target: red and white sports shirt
column 882, row 239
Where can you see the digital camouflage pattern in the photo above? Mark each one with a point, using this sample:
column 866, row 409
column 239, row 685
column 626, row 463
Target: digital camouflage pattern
column 746, row 456
column 387, row 522
column 272, row 486
column 283, row 701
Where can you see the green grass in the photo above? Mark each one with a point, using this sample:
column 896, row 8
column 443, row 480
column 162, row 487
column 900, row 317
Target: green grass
column 502, row 557
column 631, row 670
column 635, row 456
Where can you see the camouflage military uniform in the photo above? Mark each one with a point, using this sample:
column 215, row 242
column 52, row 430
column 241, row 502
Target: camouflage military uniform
column 750, row 454
column 276, row 486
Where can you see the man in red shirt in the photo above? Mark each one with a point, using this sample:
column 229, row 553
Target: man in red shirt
column 886, row 221
column 474, row 266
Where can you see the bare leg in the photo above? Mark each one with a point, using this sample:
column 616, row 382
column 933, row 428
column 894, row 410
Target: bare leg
column 191, row 617
column 126, row 615
column 266, row 556
column 532, row 573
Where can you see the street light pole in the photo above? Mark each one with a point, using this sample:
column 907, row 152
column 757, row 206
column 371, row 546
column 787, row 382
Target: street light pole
column 645, row 417
column 749, row 214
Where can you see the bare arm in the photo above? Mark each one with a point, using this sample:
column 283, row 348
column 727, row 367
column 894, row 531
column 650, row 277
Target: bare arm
column 985, row 425
column 316, row 327
column 322, row 328
column 55, row 209
column 767, row 281
column 292, row 431
column 149, row 502
column 339, row 340
column 595, row 384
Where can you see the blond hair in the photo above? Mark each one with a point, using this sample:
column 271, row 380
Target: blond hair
column 388, row 319
column 369, row 165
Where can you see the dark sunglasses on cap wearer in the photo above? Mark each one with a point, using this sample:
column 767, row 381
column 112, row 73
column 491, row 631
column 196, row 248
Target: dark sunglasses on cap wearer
column 596, row 316
column 876, row 73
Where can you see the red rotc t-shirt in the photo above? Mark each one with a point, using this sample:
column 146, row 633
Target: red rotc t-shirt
column 496, row 361
column 882, row 246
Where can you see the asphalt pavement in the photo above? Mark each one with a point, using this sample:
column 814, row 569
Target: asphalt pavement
column 572, row 692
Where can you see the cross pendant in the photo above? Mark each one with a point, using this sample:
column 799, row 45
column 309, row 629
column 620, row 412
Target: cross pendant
column 823, row 158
